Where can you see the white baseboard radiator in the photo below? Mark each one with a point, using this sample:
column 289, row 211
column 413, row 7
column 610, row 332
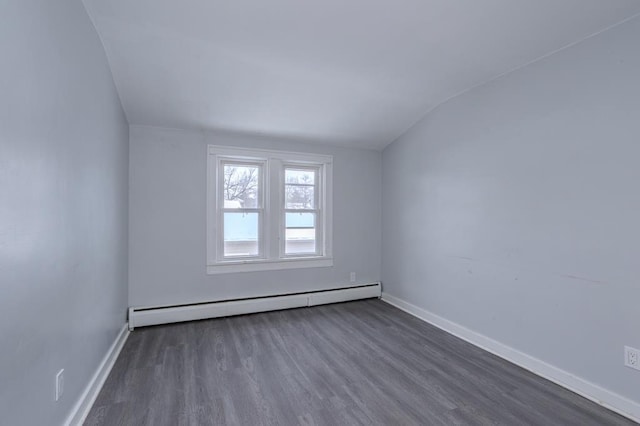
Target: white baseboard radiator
column 141, row 317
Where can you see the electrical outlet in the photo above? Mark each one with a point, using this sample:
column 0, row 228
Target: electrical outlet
column 59, row 384
column 632, row 357
column 352, row 277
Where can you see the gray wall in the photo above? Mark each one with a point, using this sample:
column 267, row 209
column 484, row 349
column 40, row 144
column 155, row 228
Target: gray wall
column 513, row 210
column 168, row 220
column 63, row 208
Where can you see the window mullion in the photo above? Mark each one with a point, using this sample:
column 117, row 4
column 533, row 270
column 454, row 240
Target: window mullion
column 319, row 205
column 220, row 212
column 247, row 210
column 275, row 203
column 301, row 210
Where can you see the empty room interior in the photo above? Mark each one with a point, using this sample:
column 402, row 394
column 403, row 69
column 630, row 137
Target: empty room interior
column 243, row 212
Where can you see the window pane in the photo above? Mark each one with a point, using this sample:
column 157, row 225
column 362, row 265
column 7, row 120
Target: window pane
column 300, row 176
column 241, row 234
column 300, row 233
column 299, row 197
column 241, row 186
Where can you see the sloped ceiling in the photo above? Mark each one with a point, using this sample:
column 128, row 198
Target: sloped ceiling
column 349, row 72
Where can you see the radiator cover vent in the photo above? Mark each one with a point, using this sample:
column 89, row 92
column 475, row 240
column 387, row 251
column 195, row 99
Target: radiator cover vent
column 145, row 316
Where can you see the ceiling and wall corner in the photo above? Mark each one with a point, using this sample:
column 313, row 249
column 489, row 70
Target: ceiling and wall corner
column 358, row 73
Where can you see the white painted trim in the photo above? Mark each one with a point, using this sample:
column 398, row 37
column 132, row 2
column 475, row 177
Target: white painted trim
column 256, row 153
column 82, row 407
column 269, row 265
column 141, row 317
column 591, row 391
column 327, row 206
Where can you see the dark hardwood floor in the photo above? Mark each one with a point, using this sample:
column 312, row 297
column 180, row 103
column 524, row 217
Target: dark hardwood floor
column 357, row 363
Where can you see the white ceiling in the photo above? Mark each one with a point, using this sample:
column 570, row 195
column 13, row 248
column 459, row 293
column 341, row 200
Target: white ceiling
column 349, row 72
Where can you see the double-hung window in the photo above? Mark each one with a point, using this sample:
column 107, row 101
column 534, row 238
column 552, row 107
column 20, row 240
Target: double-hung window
column 302, row 230
column 267, row 210
column 242, row 213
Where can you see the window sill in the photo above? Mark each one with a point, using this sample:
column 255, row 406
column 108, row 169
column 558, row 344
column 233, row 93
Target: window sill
column 268, row 265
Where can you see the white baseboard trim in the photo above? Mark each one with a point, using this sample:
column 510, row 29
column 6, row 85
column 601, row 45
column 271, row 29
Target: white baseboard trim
column 82, row 407
column 593, row 392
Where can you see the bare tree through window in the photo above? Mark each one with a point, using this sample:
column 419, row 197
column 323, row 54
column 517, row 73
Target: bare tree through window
column 241, row 184
column 300, row 189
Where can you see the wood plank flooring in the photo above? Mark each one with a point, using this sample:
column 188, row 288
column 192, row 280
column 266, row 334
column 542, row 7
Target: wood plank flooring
column 357, row 363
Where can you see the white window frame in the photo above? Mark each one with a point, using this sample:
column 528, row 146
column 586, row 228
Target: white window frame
column 318, row 210
column 260, row 209
column 272, row 227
